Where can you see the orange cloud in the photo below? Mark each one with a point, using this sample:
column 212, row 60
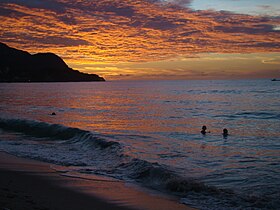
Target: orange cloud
column 116, row 31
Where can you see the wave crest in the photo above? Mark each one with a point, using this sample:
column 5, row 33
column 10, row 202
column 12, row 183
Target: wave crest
column 55, row 132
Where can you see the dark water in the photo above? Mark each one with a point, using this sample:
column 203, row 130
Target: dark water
column 149, row 133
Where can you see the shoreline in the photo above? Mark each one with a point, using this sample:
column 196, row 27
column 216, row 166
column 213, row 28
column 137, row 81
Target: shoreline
column 31, row 184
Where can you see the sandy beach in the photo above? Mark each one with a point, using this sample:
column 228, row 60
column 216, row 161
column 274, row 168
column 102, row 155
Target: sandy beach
column 29, row 184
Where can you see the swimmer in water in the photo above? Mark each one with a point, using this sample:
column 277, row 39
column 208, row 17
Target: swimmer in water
column 225, row 132
column 203, row 131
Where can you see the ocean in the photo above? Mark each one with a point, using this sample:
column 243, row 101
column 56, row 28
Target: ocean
column 148, row 133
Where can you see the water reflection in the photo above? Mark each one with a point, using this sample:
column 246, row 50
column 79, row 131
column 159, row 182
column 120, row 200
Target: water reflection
column 161, row 121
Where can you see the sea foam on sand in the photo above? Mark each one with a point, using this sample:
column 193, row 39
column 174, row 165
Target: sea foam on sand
column 29, row 184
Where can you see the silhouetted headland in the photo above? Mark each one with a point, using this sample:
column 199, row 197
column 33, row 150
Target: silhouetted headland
column 21, row 66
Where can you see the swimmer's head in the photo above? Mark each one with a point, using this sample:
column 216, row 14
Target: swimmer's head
column 225, row 131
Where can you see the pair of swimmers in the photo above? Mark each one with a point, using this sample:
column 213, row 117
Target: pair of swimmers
column 204, row 131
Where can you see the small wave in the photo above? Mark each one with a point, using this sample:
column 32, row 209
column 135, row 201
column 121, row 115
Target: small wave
column 252, row 115
column 233, row 91
column 162, row 178
column 215, row 91
column 87, row 139
column 258, row 115
column 55, row 132
column 39, row 129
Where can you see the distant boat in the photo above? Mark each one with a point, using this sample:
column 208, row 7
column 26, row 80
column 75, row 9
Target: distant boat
column 275, row 80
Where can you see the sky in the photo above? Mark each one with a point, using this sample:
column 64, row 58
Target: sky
column 150, row 39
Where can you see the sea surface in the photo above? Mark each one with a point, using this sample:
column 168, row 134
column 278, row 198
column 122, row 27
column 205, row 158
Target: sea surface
column 148, row 133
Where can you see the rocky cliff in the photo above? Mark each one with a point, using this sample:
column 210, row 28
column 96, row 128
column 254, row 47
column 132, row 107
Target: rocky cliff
column 20, row 66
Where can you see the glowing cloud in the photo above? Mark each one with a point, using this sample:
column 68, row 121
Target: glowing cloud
column 117, row 31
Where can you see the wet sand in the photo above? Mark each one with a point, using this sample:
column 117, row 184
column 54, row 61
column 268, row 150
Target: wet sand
column 29, row 184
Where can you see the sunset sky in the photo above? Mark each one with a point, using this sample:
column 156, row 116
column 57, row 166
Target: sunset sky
column 150, row 39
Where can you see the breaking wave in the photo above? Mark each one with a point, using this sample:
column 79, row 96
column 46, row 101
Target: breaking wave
column 54, row 131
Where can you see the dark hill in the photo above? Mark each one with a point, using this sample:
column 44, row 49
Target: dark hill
column 20, row 66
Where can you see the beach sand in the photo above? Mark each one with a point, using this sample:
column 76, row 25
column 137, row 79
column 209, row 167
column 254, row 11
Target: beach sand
column 30, row 184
